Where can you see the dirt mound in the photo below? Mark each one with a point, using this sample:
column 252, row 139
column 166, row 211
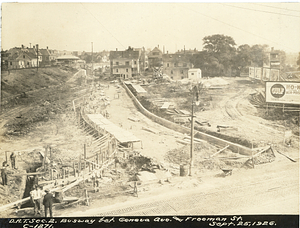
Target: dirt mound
column 188, row 183
column 25, row 80
column 212, row 82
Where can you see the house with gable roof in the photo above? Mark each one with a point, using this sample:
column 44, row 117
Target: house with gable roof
column 126, row 64
column 177, row 65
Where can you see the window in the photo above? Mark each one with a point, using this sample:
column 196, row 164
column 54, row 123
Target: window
column 171, row 72
column 117, row 70
column 192, row 73
column 126, row 70
column 172, row 77
column 182, row 77
column 10, row 63
column 23, row 56
column 181, row 71
column 168, row 64
column 134, row 62
column 27, row 63
column 175, row 64
column 127, row 63
column 184, row 65
column 117, row 63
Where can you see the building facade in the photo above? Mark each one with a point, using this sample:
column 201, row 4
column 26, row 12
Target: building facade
column 155, row 58
column 176, row 66
column 127, row 64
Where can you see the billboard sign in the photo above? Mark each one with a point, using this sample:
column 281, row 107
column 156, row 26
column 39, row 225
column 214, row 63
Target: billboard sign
column 283, row 92
column 258, row 73
column 251, row 72
column 266, row 74
column 274, row 75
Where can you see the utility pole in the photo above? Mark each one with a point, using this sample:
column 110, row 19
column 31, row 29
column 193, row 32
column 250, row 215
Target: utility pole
column 37, row 57
column 195, row 90
column 92, row 64
column 192, row 138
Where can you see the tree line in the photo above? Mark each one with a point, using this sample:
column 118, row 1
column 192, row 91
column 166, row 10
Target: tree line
column 221, row 56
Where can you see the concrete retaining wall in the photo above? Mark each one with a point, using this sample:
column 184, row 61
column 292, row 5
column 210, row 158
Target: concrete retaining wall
column 182, row 129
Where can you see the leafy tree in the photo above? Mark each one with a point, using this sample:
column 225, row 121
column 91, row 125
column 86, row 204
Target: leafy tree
column 221, row 50
column 259, row 55
column 242, row 59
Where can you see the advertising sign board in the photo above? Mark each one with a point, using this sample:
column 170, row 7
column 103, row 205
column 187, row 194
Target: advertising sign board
column 251, row 72
column 258, row 73
column 283, row 92
column 274, row 75
column 266, row 74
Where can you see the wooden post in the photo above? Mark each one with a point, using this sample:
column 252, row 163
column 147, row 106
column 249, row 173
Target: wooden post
column 89, row 164
column 74, row 169
column 79, row 165
column 64, row 173
column 86, row 197
column 6, row 156
column 50, row 153
column 51, row 174
column 45, row 155
column 97, row 158
column 84, row 155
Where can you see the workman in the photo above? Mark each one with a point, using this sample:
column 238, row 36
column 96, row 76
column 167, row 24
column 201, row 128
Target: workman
column 36, row 195
column 4, row 173
column 95, row 178
column 13, row 160
column 48, row 202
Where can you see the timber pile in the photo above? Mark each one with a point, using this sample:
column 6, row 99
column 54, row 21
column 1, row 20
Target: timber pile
column 258, row 98
column 265, row 155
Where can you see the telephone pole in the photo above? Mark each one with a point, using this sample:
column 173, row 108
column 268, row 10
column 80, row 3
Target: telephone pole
column 37, row 57
column 92, row 63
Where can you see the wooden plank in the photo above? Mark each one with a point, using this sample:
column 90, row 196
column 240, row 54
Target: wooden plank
column 219, row 151
column 261, row 151
column 150, row 130
column 286, row 156
column 26, row 174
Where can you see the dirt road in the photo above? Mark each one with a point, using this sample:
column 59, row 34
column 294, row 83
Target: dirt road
column 271, row 188
column 266, row 189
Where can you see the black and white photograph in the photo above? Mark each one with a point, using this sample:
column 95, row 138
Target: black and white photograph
column 149, row 114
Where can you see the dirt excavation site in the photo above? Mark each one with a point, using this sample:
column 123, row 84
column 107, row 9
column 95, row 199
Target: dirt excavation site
column 106, row 147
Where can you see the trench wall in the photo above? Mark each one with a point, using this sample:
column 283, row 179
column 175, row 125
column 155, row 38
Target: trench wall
column 182, row 129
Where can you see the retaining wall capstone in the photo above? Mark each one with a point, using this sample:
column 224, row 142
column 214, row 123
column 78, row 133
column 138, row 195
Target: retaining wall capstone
column 182, row 129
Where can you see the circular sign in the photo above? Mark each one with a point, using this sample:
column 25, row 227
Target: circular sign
column 277, row 90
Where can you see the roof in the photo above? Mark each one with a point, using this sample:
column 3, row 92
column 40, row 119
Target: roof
column 139, row 89
column 155, row 50
column 128, row 54
column 194, row 69
column 44, row 51
column 176, row 57
column 67, row 57
column 120, row 134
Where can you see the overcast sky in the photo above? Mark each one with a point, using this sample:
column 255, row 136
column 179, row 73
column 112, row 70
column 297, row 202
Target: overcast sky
column 73, row 26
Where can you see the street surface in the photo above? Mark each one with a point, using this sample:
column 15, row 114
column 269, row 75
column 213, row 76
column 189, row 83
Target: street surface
column 271, row 188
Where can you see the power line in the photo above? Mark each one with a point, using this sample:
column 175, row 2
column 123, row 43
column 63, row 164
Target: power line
column 235, row 27
column 282, row 14
column 103, row 26
column 276, row 7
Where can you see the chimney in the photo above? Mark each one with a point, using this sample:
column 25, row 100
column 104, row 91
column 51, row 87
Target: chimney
column 22, row 46
column 158, row 45
column 167, row 52
column 272, row 48
column 184, row 49
column 116, row 49
column 47, row 47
